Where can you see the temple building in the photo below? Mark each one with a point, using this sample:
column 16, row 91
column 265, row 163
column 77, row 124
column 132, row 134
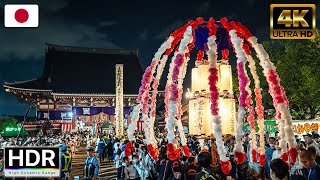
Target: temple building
column 77, row 88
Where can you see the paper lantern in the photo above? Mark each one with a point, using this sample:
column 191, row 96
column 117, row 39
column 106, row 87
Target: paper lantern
column 194, row 80
column 199, row 121
column 227, row 111
column 225, row 78
column 203, row 74
column 192, row 117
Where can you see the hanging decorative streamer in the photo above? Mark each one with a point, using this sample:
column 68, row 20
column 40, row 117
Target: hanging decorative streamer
column 134, row 118
column 214, row 97
column 278, row 92
column 174, row 90
column 249, row 107
column 259, row 106
column 237, row 46
column 143, row 97
column 185, row 148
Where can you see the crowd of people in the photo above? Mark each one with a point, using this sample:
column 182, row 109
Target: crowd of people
column 202, row 164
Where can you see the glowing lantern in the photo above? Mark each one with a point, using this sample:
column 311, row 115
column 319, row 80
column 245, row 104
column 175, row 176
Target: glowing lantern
column 194, row 80
column 227, row 111
column 203, row 74
column 199, row 113
column 225, row 78
column 199, row 107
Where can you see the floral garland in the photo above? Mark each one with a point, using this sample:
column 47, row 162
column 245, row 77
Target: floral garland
column 185, row 148
column 214, row 97
column 178, row 34
column 237, row 46
column 143, row 98
column 149, row 120
column 155, row 86
column 278, row 93
column 134, row 118
column 174, row 91
column 259, row 106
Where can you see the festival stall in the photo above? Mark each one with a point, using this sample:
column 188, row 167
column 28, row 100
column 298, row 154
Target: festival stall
column 300, row 127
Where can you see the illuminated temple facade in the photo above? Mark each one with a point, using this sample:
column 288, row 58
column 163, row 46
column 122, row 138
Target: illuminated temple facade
column 78, row 87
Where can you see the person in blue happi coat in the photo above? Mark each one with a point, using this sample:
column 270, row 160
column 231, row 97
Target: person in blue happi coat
column 91, row 167
column 101, row 148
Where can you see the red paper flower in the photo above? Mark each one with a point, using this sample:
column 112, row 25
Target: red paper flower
column 178, row 154
column 274, row 79
column 186, row 151
column 128, row 149
column 191, row 45
column 241, row 157
column 171, row 151
column 226, row 24
column 200, row 55
column 259, row 108
column 254, row 155
column 246, row 49
column 212, row 27
column 153, row 152
column 284, row 156
column 225, row 54
column 245, row 31
column 293, row 153
column 198, row 21
column 225, row 167
column 262, row 158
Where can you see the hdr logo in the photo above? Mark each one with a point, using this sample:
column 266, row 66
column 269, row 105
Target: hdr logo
column 31, row 162
column 292, row 21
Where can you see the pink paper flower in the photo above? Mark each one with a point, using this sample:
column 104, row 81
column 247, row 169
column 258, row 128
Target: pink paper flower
column 178, row 62
column 214, row 93
column 242, row 84
column 174, row 92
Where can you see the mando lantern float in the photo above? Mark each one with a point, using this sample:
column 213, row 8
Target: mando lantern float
column 212, row 85
column 199, row 105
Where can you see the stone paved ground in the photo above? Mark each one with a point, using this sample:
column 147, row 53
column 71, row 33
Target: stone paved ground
column 107, row 169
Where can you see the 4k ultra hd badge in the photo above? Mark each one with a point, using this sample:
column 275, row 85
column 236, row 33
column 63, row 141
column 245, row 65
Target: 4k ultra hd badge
column 31, row 162
column 292, row 21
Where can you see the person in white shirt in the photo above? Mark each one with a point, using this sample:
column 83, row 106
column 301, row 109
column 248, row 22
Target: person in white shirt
column 277, row 153
column 130, row 171
column 140, row 167
column 97, row 143
column 149, row 163
column 254, row 167
column 118, row 163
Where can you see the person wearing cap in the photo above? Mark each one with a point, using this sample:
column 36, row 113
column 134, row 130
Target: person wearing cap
column 91, row 168
column 311, row 142
column 65, row 163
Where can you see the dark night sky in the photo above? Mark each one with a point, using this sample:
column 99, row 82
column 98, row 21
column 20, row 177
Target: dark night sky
column 135, row 24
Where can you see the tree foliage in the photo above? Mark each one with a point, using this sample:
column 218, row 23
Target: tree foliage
column 297, row 63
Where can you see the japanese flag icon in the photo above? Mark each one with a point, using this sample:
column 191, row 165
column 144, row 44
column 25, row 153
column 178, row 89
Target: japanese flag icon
column 21, row 15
